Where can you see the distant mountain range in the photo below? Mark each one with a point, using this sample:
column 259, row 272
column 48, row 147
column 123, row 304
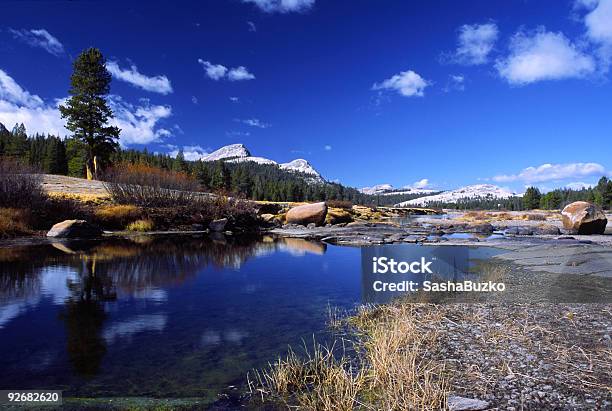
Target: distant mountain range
column 388, row 189
column 476, row 191
column 238, row 153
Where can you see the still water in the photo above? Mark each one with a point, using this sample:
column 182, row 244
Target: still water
column 166, row 316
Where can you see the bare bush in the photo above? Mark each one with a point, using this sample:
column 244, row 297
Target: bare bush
column 147, row 186
column 20, row 185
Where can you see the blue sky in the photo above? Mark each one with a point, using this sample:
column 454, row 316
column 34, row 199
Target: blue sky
column 514, row 93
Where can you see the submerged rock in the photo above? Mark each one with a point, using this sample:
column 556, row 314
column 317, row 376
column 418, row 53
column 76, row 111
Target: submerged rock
column 74, row 229
column 582, row 217
column 217, row 225
column 308, row 213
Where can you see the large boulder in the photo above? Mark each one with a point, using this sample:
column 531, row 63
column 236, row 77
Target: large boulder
column 74, row 229
column 582, row 217
column 308, row 213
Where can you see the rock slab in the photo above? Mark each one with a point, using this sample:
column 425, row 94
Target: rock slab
column 74, row 229
column 582, row 217
column 307, row 214
column 456, row 403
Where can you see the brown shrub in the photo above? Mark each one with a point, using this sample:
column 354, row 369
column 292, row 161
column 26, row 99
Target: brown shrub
column 143, row 185
column 339, row 204
column 117, row 216
column 534, row 217
column 20, row 185
column 14, row 222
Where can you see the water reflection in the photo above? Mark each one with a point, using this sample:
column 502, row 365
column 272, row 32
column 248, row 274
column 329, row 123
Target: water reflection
column 101, row 305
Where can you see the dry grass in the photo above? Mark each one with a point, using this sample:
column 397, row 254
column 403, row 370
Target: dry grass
column 117, row 216
column 14, row 222
column 390, row 369
column 490, row 216
column 141, row 225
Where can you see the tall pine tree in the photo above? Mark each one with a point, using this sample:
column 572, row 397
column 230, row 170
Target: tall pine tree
column 87, row 111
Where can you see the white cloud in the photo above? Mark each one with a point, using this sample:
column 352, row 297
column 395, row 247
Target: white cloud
column 156, row 84
column 239, row 73
column 543, row 55
column 253, row 122
column 282, row 6
column 407, row 83
column 213, row 71
column 327, row 147
column 139, row 124
column 39, row 38
column 194, row 99
column 252, row 26
column 219, row 71
column 553, row 172
column 456, row 82
column 191, row 153
column 423, row 183
column 475, row 42
column 599, row 20
column 234, row 99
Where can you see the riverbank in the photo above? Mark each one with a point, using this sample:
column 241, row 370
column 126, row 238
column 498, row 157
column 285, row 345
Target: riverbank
column 472, row 356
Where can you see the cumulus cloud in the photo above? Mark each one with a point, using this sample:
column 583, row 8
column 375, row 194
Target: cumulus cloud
column 598, row 23
column 253, row 122
column 553, row 172
column 234, row 99
column 543, row 55
column 156, row 84
column 191, row 153
column 421, row 184
column 282, row 6
column 252, row 26
column 39, row 38
column 407, row 83
column 194, row 99
column 139, row 124
column 327, row 147
column 475, row 43
column 219, row 71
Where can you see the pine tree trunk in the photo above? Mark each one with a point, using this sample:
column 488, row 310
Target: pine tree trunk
column 89, row 167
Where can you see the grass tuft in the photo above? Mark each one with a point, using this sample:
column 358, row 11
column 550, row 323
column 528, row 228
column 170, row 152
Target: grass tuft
column 141, row 225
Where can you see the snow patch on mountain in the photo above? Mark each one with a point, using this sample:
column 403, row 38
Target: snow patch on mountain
column 258, row 160
column 238, row 153
column 300, row 166
column 225, row 152
column 424, row 191
column 377, row 189
column 468, row 192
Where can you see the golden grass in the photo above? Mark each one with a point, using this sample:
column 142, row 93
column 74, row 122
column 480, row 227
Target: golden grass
column 117, row 215
column 490, row 216
column 141, row 225
column 14, row 222
column 94, row 199
column 391, row 370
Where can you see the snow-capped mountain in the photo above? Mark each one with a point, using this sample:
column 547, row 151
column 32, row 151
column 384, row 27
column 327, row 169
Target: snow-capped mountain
column 467, row 192
column 231, row 151
column 258, row 160
column 300, row 166
column 388, row 189
column 238, row 153
column 377, row 189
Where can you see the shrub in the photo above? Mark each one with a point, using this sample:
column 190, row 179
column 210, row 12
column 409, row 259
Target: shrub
column 339, row 204
column 146, row 186
column 117, row 216
column 141, row 225
column 20, row 185
column 14, row 222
